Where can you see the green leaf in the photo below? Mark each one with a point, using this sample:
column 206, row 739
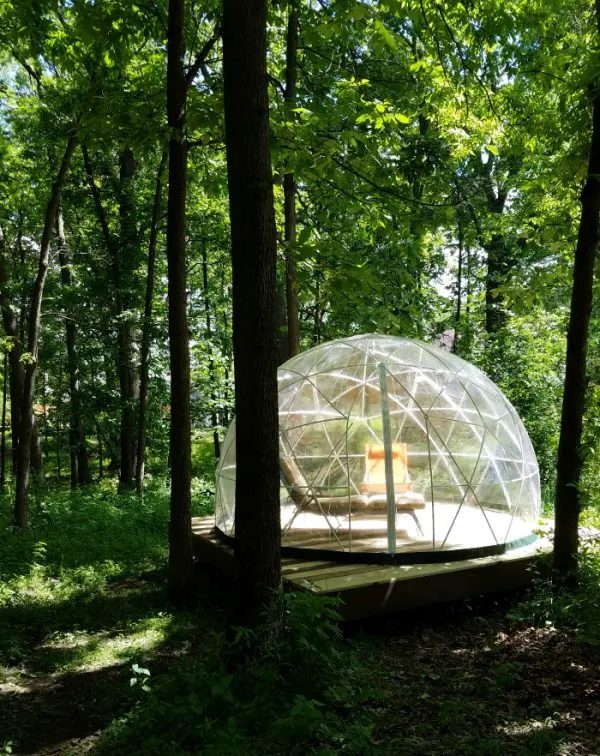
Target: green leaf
column 304, row 235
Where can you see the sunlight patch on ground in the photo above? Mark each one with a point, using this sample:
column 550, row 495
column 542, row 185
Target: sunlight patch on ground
column 85, row 652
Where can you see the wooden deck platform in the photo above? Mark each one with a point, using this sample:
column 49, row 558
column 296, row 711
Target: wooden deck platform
column 368, row 590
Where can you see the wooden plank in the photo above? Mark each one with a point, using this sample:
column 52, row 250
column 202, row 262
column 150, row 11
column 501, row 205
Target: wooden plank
column 370, row 589
column 328, row 572
column 443, row 587
column 372, row 574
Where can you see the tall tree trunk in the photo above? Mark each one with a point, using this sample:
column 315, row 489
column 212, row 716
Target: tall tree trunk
column 16, row 369
column 253, row 243
column 58, row 435
column 26, row 427
column 180, row 528
column 289, row 192
column 211, row 363
column 147, row 327
column 46, row 426
column 569, row 462
column 499, row 262
column 281, row 319
column 37, row 458
column 80, row 473
column 3, row 442
column 459, row 288
column 228, row 359
column 496, row 272
column 125, row 364
column 125, row 343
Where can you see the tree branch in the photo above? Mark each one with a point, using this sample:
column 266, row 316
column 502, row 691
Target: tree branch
column 201, row 57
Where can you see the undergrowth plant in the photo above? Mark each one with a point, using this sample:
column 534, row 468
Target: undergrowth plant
column 551, row 603
column 303, row 694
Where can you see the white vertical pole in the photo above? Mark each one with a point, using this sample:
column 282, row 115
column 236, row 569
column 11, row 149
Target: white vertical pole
column 388, row 460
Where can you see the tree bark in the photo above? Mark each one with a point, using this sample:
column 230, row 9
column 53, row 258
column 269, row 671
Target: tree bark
column 289, row 192
column 147, row 327
column 211, row 362
column 3, row 442
column 125, row 344
column 496, row 273
column 253, row 242
column 26, row 426
column 80, row 473
column 459, row 288
column 58, row 435
column 180, row 529
column 125, row 364
column 569, row 461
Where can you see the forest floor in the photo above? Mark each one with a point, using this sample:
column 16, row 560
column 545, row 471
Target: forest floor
column 83, row 615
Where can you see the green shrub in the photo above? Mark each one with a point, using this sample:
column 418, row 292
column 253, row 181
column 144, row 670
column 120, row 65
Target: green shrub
column 301, row 694
column 551, row 604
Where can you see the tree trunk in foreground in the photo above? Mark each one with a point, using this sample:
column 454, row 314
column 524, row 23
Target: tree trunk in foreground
column 26, row 428
column 147, row 327
column 569, row 461
column 253, row 241
column 80, row 473
column 289, row 193
column 180, row 526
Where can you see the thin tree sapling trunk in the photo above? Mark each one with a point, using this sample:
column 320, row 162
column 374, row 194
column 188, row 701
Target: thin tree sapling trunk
column 80, row 473
column 3, row 441
column 147, row 326
column 125, row 365
column 459, row 287
column 125, row 340
column 211, row 363
column 253, row 244
column 58, row 426
column 26, row 427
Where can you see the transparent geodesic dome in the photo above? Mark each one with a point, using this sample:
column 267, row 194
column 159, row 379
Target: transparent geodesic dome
column 392, row 447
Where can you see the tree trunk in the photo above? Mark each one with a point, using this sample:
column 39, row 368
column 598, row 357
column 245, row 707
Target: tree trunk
column 180, row 527
column 26, row 427
column 459, row 288
column 211, row 362
column 569, row 461
column 46, row 427
column 37, row 458
column 125, row 346
column 58, row 435
column 281, row 320
column 3, row 442
column 80, row 473
column 125, row 363
column 228, row 357
column 496, row 273
column 147, row 327
column 253, row 243
column 289, row 193
column 11, row 329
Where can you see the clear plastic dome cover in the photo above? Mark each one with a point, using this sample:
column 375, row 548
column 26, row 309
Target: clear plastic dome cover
column 390, row 445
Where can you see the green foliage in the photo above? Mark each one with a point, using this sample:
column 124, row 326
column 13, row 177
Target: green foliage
column 552, row 604
column 300, row 693
column 526, row 360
